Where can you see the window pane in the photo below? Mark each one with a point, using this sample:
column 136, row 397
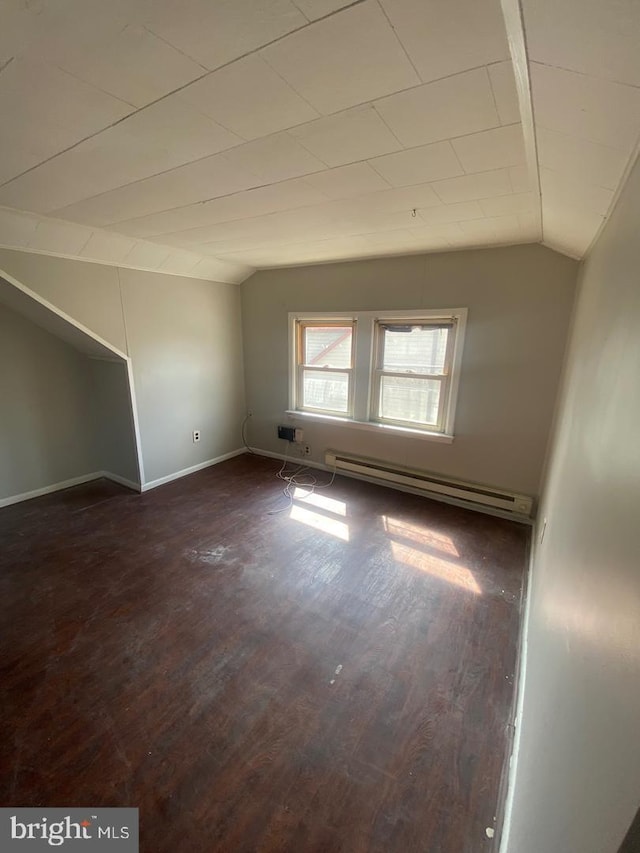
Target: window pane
column 415, row 349
column 328, row 346
column 411, row 399
column 323, row 389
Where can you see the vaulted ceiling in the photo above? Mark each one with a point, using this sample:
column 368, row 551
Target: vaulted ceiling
column 211, row 137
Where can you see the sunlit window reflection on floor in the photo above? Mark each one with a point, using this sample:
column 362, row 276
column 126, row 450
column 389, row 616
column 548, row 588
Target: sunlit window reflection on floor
column 400, row 529
column 438, row 567
column 307, row 496
column 321, row 522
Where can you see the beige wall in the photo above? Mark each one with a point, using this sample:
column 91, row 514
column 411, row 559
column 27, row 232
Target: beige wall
column 577, row 776
column 184, row 339
column 46, row 433
column 185, row 342
column 87, row 292
column 519, row 302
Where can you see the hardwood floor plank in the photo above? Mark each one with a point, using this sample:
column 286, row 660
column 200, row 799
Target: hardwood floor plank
column 337, row 676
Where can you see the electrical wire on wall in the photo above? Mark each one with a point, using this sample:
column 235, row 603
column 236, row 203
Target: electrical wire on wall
column 244, row 436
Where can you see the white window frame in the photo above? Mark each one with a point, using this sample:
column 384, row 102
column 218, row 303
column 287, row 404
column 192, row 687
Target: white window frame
column 362, row 387
column 301, row 366
column 444, row 378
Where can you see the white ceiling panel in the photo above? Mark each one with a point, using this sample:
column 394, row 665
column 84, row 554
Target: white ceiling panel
column 492, row 227
column 506, row 204
column 346, row 181
column 491, row 149
column 147, row 255
column 275, row 158
column 132, row 64
column 600, row 38
column 179, row 263
column 405, row 199
column 468, row 187
column 441, row 110
column 222, row 270
column 587, row 161
column 531, row 224
column 207, row 178
column 348, row 137
column 60, row 238
column 110, row 248
column 314, row 9
column 249, row 98
column 592, row 109
column 154, row 140
column 46, row 110
column 560, row 190
column 445, row 231
column 520, row 180
column 344, row 59
column 301, row 130
column 214, row 33
column 451, row 213
column 286, row 195
column 570, row 229
column 503, row 84
column 16, row 229
column 426, row 163
column 444, row 37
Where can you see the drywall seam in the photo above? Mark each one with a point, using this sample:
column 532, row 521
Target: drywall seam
column 153, row 484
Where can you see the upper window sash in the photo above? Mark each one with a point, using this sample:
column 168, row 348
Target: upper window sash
column 306, row 368
column 442, row 376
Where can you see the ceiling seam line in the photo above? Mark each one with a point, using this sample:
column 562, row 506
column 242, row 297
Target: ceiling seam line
column 225, row 65
column 259, row 186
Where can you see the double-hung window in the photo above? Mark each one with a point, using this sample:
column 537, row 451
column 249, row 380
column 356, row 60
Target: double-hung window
column 412, row 372
column 394, row 370
column 325, row 366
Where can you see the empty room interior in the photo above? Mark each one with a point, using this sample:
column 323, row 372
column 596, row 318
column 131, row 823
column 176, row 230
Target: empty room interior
column 319, row 407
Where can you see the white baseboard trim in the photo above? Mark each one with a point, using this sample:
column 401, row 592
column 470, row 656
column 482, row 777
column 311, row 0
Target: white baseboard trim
column 130, row 484
column 54, row 487
column 67, row 484
column 153, row 484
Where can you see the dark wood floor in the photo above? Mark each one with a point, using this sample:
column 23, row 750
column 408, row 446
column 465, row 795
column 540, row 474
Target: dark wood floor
column 335, row 677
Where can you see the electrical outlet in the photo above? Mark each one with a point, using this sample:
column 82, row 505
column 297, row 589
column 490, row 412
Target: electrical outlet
column 307, row 450
column 196, row 435
column 249, row 413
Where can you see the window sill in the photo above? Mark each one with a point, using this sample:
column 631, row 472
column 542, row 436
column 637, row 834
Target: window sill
column 370, row 426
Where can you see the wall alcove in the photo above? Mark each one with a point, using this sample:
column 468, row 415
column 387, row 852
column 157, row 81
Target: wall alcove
column 68, row 410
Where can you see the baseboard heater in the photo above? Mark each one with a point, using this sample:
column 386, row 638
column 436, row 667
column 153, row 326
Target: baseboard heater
column 433, row 484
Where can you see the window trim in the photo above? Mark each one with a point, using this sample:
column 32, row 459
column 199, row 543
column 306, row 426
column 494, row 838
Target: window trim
column 364, row 357
column 301, row 366
column 378, row 371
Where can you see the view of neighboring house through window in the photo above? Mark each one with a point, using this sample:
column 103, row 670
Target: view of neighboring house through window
column 392, row 369
column 325, row 367
column 412, row 373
